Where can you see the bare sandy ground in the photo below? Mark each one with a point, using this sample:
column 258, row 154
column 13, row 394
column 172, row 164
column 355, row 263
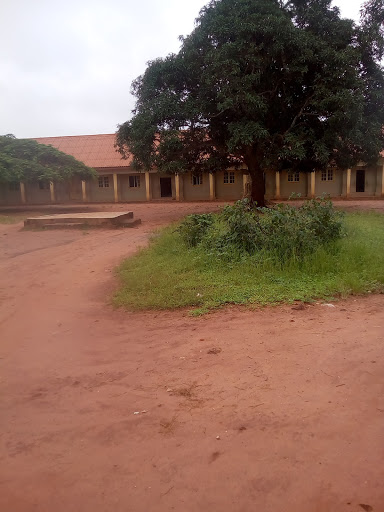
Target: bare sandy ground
column 275, row 410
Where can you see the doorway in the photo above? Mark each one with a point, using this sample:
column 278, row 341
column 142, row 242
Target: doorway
column 166, row 187
column 360, row 180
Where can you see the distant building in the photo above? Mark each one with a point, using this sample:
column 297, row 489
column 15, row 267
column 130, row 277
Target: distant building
column 119, row 182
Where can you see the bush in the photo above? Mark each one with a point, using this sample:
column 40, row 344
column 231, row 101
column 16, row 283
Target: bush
column 282, row 231
column 236, row 231
column 326, row 222
column 294, row 232
column 194, row 227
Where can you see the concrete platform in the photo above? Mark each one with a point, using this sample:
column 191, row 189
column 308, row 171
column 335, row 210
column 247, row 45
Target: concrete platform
column 94, row 219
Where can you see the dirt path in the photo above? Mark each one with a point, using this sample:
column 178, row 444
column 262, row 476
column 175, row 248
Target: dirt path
column 286, row 415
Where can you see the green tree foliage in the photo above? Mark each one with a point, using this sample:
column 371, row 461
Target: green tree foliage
column 27, row 160
column 272, row 84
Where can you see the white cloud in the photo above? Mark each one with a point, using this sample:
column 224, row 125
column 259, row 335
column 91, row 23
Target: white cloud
column 67, row 67
column 349, row 8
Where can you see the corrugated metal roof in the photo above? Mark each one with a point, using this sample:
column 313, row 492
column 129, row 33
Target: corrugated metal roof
column 93, row 150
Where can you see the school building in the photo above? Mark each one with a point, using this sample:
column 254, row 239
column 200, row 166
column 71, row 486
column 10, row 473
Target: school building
column 117, row 181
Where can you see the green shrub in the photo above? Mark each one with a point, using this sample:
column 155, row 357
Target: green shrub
column 325, row 221
column 282, row 231
column 236, row 231
column 291, row 232
column 193, row 228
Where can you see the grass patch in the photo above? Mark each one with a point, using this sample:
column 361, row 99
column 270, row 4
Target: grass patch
column 168, row 275
column 17, row 217
column 10, row 219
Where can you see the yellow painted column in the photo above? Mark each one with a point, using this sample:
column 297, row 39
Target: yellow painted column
column 382, row 181
column 177, row 186
column 277, row 191
column 115, row 189
column 52, row 191
column 246, row 190
column 212, row 187
column 84, row 190
column 22, row 192
column 148, row 195
column 348, row 182
column 313, row 184
column 181, row 187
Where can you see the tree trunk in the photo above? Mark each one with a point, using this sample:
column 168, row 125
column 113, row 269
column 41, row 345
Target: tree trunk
column 257, row 187
column 252, row 160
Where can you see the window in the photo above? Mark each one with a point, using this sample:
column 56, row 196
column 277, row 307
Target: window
column 134, row 181
column 294, row 177
column 327, row 175
column 229, row 177
column 43, row 185
column 14, row 187
column 103, row 181
column 197, row 179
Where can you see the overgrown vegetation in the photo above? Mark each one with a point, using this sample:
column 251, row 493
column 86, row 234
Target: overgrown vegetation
column 281, row 233
column 194, row 228
column 220, row 264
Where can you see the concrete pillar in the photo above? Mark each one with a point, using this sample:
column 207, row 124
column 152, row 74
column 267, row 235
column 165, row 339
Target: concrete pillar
column 313, row 184
column 22, row 192
column 52, row 191
column 84, row 190
column 277, row 190
column 177, row 187
column 179, row 182
column 212, row 187
column 115, row 188
column 378, row 181
column 348, row 182
column 343, row 183
column 148, row 195
column 246, row 185
column 382, row 181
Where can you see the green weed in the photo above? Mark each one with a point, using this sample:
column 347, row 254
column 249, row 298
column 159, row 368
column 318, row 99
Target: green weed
column 169, row 275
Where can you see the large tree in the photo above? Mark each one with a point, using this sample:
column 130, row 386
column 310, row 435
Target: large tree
column 27, row 160
column 272, row 84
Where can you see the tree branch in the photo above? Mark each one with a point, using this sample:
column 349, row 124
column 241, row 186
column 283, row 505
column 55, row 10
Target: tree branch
column 300, row 113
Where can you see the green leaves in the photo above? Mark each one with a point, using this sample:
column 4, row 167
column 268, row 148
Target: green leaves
column 283, row 232
column 26, row 160
column 268, row 83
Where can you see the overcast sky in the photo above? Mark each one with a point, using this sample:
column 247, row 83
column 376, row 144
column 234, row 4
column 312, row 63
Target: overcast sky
column 66, row 66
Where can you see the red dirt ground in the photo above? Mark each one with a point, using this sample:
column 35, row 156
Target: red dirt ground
column 287, row 415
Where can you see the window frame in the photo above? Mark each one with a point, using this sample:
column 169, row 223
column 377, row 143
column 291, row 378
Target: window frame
column 328, row 175
column 197, row 180
column 134, row 181
column 293, row 177
column 103, row 181
column 229, row 177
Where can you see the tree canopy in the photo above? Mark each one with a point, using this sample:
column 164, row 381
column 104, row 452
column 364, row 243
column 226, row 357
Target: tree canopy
column 27, row 160
column 272, row 84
